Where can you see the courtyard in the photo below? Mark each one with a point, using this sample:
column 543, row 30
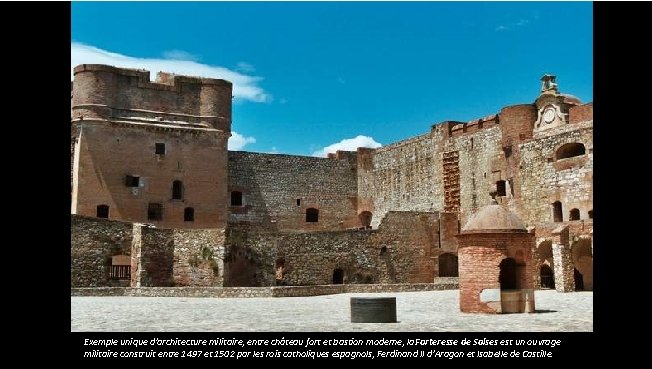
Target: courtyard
column 430, row 311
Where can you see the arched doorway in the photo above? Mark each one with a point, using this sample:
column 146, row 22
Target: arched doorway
column 583, row 263
column 547, row 277
column 579, row 280
column 507, row 275
column 338, row 276
column 547, row 274
column 448, row 265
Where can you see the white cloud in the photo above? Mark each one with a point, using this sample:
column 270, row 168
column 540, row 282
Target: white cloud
column 245, row 67
column 283, row 101
column 501, row 28
column 244, row 87
column 522, row 22
column 238, row 141
column 348, row 144
column 179, row 55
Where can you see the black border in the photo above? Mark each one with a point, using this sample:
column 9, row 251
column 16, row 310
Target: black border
column 40, row 82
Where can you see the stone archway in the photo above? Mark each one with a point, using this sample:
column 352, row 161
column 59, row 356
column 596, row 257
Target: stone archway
column 583, row 262
column 547, row 277
column 338, row 276
column 544, row 257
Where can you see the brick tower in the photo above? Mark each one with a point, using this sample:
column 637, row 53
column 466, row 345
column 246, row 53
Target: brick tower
column 150, row 152
column 495, row 263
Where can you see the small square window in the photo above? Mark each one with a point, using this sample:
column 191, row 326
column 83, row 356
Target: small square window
column 189, row 214
column 132, row 181
column 160, row 148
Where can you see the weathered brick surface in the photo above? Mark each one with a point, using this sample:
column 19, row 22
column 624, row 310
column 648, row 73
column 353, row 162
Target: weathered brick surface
column 546, row 180
column 93, row 243
column 159, row 257
column 480, row 256
column 581, row 113
column 402, row 250
column 198, row 257
column 155, row 250
column 102, row 91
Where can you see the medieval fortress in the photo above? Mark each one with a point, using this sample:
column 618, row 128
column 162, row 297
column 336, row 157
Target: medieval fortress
column 158, row 200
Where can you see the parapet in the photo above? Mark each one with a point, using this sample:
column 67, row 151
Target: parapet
column 580, row 113
column 110, row 93
column 456, row 129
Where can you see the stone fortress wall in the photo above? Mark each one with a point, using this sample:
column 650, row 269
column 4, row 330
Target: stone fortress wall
column 385, row 215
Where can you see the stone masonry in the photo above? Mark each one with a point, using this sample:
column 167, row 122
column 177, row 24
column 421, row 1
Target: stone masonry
column 151, row 158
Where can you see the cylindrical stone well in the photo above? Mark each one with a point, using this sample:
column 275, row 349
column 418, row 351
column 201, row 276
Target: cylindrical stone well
column 373, row 309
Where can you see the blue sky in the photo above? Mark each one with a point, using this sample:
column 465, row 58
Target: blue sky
column 310, row 75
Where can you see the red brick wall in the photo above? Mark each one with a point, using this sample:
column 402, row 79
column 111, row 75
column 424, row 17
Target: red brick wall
column 517, row 122
column 479, row 265
column 108, row 152
column 580, row 113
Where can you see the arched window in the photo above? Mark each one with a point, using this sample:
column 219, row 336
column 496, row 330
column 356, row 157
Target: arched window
column 591, row 214
column 189, row 214
column 570, row 150
column 312, row 215
column 574, row 214
column 177, row 190
column 102, row 211
column 236, row 198
column 557, row 214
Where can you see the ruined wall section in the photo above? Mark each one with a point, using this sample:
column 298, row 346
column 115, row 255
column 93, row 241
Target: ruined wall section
column 401, row 250
column 277, row 190
column 198, row 257
column 93, row 243
column 159, row 257
column 546, row 179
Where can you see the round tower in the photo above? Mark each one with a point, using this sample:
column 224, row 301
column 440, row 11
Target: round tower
column 215, row 103
column 495, row 266
column 94, row 92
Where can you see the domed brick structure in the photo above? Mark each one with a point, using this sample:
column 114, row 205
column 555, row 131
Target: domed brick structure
column 495, row 263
